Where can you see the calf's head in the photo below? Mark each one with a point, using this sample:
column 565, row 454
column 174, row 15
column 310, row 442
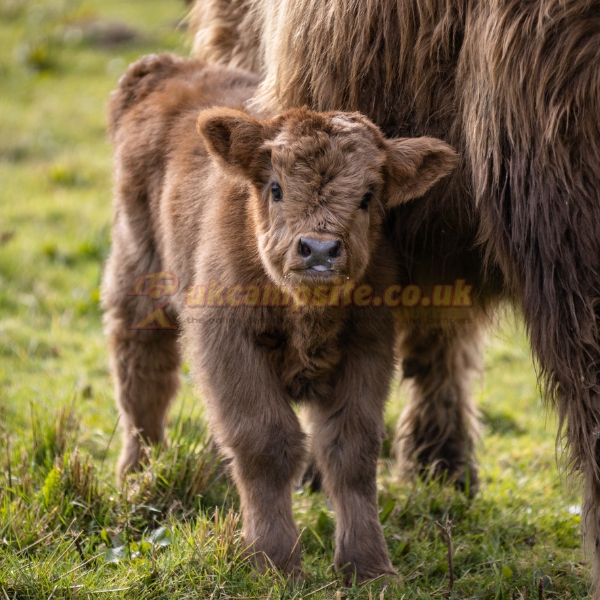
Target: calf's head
column 321, row 183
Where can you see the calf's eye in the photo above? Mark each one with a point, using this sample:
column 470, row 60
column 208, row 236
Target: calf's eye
column 276, row 193
column 364, row 203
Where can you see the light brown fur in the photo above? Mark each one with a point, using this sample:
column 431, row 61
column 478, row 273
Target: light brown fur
column 206, row 207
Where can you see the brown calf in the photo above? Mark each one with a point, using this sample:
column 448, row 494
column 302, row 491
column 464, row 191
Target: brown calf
column 295, row 205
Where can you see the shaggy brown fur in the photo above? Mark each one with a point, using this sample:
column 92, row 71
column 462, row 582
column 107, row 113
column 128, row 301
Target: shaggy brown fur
column 516, row 85
column 226, row 32
column 439, row 365
column 249, row 203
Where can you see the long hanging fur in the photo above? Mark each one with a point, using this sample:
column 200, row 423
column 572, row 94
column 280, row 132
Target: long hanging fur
column 227, row 32
column 516, row 86
column 530, row 76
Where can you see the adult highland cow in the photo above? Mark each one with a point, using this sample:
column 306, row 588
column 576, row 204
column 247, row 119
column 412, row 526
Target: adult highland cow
column 516, row 86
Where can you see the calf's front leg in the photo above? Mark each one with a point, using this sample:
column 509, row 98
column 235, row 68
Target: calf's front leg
column 347, row 433
column 255, row 425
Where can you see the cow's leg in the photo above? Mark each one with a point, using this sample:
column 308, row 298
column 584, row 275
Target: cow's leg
column 267, row 453
column 437, row 430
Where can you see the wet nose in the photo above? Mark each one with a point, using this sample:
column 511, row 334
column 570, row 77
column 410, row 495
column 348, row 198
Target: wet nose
column 319, row 254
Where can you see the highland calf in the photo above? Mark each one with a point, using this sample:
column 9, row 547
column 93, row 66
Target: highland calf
column 296, row 202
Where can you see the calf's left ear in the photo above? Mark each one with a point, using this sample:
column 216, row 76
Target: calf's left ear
column 414, row 165
column 236, row 140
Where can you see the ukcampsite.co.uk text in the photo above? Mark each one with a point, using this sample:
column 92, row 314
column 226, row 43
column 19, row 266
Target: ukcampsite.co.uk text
column 338, row 293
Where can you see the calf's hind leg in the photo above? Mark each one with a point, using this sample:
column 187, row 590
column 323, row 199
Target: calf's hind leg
column 144, row 362
column 145, row 367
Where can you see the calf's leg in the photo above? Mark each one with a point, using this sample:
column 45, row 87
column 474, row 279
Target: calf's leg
column 144, row 362
column 265, row 466
column 347, row 432
column 146, row 370
column 255, row 425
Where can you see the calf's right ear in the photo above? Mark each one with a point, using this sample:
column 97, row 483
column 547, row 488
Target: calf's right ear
column 236, row 140
column 414, row 165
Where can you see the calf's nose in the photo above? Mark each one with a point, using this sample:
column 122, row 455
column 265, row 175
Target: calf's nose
column 319, row 254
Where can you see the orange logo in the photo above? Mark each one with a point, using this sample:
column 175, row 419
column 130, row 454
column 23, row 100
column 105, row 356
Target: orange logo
column 155, row 286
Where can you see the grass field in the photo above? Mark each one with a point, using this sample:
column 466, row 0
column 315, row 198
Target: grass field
column 173, row 532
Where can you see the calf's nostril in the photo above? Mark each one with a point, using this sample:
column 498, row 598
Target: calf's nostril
column 303, row 248
column 336, row 249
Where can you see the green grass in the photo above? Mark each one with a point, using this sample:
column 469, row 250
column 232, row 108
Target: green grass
column 65, row 530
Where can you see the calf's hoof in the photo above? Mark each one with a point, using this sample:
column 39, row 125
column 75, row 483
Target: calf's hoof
column 286, row 562
column 362, row 573
column 130, row 458
column 360, row 564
